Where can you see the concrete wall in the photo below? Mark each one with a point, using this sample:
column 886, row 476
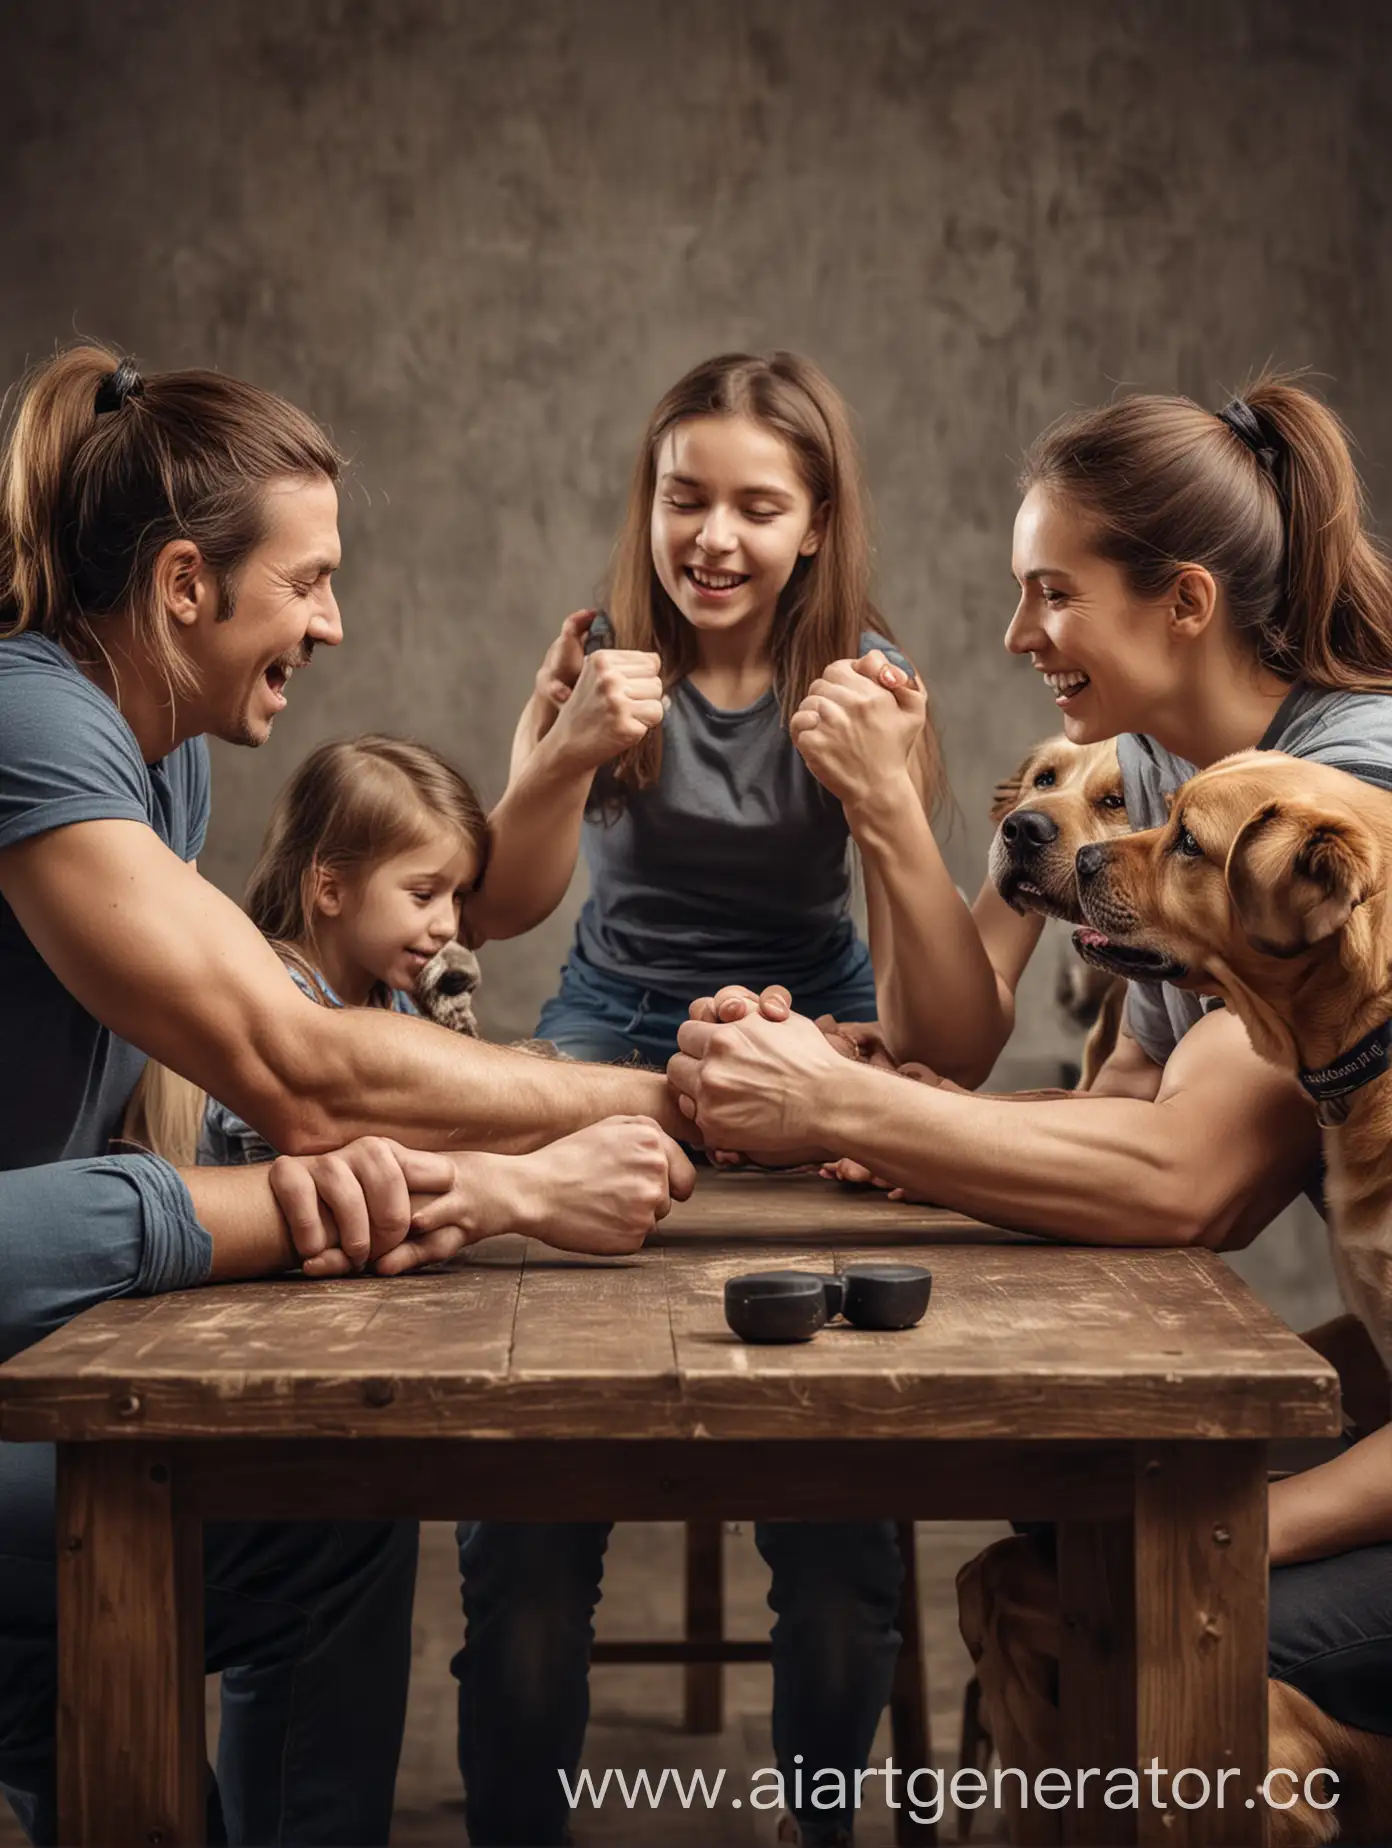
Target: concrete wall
column 478, row 239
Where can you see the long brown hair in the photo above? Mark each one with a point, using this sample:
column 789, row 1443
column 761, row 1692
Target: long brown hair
column 102, row 468
column 1278, row 518
column 825, row 605
column 351, row 804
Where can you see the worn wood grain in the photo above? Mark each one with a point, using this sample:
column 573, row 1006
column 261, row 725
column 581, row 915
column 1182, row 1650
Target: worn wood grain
column 1201, row 1578
column 1097, row 1670
column 130, row 1651
column 767, row 1208
column 1020, row 1340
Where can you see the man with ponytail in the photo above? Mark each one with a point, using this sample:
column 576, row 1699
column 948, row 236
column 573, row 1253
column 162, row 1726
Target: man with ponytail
column 167, row 548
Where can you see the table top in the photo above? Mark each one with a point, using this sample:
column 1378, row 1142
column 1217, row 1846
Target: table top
column 1022, row 1339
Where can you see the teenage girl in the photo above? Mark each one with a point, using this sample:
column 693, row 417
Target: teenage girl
column 657, row 736
column 657, row 740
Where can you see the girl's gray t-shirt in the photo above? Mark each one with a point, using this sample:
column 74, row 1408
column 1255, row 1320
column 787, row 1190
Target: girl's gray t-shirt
column 733, row 867
column 1348, row 731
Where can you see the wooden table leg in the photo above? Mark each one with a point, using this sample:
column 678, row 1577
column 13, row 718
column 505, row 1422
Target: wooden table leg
column 1201, row 1641
column 131, row 1753
column 705, row 1623
column 1097, row 1672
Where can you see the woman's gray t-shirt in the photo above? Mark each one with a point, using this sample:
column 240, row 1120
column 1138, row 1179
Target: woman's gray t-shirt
column 733, row 867
column 1348, row 731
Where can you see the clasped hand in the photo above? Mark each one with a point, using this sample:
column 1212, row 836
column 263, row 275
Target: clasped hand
column 750, row 1074
column 857, row 728
column 375, row 1204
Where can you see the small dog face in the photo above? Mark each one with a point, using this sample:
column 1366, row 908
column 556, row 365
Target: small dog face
column 446, row 986
column 1259, row 873
column 1062, row 796
column 445, row 991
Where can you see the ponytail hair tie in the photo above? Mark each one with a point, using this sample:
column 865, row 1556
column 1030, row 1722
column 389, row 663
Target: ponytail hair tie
column 113, row 388
column 1247, row 426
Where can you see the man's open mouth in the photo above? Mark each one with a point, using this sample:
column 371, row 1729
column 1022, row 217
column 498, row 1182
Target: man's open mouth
column 1134, row 961
column 277, row 675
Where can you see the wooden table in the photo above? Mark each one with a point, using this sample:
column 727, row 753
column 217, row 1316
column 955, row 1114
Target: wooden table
column 1128, row 1394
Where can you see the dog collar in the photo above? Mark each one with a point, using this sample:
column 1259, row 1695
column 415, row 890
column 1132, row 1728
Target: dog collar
column 1332, row 1085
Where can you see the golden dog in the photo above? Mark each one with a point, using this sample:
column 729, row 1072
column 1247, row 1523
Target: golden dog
column 1267, row 886
column 1062, row 797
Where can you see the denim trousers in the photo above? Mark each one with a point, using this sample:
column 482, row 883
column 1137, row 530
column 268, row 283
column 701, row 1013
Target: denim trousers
column 309, row 1623
column 595, row 1015
column 530, row 1592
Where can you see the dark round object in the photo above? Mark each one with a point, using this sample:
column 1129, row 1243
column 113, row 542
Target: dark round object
column 785, row 1305
column 886, row 1295
column 835, row 1295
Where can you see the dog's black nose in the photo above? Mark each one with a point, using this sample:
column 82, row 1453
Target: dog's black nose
column 1088, row 863
column 454, row 982
column 1030, row 829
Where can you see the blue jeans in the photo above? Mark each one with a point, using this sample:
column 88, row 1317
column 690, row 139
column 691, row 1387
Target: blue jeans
column 309, row 1623
column 530, row 1592
column 529, row 1597
column 599, row 1016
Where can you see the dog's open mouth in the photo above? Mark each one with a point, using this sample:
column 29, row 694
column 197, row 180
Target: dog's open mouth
column 1023, row 895
column 1134, row 961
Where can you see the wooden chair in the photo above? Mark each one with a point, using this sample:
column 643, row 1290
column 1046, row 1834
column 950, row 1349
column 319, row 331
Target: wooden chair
column 705, row 1649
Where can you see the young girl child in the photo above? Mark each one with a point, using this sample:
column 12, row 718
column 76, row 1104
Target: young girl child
column 657, row 736
column 372, row 845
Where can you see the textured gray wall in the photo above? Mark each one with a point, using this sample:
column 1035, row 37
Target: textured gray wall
column 478, row 239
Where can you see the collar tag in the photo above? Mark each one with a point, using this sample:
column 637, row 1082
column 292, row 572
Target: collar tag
column 1333, row 1084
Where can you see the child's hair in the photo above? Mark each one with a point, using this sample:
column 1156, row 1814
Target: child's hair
column 351, row 804
column 103, row 467
column 825, row 606
column 1264, row 494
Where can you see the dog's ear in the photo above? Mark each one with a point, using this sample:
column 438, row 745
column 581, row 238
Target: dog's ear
column 1296, row 872
column 1010, row 790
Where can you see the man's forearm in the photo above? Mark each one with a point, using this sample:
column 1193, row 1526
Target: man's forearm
column 1100, row 1170
column 368, row 1072
column 238, row 1211
column 939, row 1002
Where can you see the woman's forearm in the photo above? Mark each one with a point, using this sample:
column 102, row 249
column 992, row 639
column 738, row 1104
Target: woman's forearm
column 535, row 839
column 1226, row 1144
column 1339, row 1505
column 939, row 1002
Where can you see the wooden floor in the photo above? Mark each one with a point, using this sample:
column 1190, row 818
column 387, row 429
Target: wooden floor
column 636, row 1711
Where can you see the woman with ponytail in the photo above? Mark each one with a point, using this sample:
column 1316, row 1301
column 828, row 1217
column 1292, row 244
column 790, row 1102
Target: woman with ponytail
column 1194, row 584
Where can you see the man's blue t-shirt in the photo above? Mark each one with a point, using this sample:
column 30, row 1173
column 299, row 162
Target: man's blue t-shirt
column 67, row 755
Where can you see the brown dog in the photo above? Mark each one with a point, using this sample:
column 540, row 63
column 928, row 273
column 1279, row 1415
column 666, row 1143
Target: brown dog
column 1062, row 797
column 1268, row 886
column 1008, row 1610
